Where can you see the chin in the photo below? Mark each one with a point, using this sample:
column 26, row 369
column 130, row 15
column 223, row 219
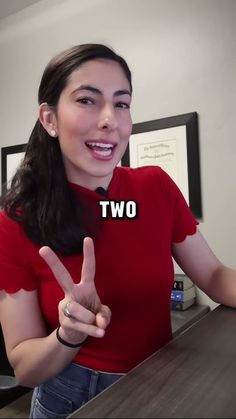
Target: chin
column 103, row 173
column 104, row 168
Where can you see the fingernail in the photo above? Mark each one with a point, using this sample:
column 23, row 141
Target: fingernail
column 100, row 332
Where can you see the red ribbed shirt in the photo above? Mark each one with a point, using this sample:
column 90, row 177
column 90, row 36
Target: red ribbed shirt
column 134, row 269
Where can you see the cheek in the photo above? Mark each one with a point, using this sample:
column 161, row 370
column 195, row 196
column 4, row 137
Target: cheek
column 126, row 127
column 73, row 123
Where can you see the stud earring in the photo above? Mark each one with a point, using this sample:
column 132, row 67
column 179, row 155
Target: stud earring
column 53, row 133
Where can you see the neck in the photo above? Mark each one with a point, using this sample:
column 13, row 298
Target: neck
column 93, row 183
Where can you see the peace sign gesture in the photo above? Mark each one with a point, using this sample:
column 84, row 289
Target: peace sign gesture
column 85, row 315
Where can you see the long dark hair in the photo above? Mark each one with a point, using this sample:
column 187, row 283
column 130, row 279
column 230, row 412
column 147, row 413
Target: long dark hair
column 40, row 197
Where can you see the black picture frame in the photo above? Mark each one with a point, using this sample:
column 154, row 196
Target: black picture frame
column 6, row 153
column 190, row 121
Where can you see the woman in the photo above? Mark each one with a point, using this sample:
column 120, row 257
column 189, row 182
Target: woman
column 85, row 299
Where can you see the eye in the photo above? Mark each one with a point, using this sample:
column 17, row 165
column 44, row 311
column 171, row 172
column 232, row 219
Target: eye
column 123, row 105
column 85, row 100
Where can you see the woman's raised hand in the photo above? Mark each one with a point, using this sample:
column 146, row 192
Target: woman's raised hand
column 87, row 316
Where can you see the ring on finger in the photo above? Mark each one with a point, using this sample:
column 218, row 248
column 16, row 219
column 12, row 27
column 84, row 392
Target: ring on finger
column 66, row 310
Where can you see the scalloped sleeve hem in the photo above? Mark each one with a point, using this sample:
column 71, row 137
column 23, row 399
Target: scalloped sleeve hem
column 14, row 288
column 190, row 232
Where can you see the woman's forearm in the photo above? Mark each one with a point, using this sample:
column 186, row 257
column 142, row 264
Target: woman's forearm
column 40, row 359
column 222, row 286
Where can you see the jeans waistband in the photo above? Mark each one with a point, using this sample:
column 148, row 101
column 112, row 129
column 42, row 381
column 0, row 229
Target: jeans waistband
column 73, row 372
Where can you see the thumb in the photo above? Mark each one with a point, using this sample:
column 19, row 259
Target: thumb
column 103, row 317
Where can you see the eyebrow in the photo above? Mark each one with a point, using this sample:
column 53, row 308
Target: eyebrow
column 99, row 92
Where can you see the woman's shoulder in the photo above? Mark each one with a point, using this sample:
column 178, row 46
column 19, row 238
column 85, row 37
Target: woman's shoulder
column 12, row 233
column 142, row 173
column 5, row 220
column 8, row 224
column 151, row 180
column 147, row 176
column 17, row 256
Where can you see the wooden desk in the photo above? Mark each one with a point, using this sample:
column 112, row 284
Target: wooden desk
column 20, row 406
column 194, row 376
column 181, row 320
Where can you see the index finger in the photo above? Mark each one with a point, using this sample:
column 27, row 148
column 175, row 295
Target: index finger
column 60, row 272
column 89, row 262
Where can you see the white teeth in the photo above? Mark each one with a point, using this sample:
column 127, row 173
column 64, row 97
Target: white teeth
column 102, row 145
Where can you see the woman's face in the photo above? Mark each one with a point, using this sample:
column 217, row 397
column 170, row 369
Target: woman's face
column 93, row 122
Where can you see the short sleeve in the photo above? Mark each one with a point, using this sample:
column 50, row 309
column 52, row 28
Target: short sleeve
column 183, row 221
column 15, row 266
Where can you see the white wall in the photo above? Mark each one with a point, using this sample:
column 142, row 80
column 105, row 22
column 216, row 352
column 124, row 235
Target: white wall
column 183, row 57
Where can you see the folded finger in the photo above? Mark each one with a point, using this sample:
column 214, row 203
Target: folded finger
column 103, row 317
column 75, row 311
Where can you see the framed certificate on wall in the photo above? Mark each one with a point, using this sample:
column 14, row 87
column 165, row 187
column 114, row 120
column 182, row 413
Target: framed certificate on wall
column 172, row 144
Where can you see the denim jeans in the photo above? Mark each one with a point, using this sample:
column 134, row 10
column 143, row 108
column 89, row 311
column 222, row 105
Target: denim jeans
column 62, row 395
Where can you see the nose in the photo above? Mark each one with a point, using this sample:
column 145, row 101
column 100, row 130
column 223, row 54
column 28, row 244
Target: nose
column 107, row 118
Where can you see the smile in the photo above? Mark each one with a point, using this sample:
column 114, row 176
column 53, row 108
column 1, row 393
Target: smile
column 101, row 149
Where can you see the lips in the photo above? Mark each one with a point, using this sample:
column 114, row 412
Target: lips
column 102, row 149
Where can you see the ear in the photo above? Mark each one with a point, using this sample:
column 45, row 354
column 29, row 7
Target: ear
column 48, row 119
